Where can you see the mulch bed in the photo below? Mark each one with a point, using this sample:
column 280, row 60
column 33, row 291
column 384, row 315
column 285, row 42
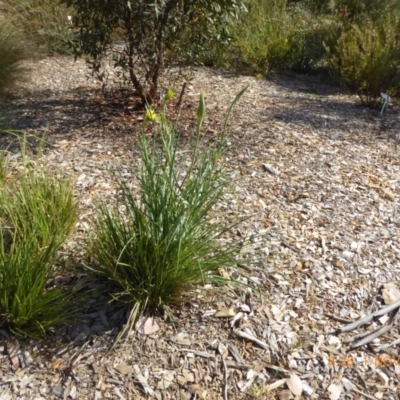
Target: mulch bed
column 319, row 177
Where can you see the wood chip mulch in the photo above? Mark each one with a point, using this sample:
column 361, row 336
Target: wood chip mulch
column 319, row 177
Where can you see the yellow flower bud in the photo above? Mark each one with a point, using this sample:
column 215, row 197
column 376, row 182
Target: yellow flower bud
column 151, row 115
column 169, row 95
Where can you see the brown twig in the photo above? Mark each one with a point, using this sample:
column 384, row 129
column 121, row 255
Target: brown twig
column 226, row 379
column 179, row 105
column 392, row 310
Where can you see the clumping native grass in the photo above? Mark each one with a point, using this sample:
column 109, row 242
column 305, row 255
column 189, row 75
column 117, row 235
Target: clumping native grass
column 37, row 214
column 159, row 243
column 45, row 22
column 14, row 50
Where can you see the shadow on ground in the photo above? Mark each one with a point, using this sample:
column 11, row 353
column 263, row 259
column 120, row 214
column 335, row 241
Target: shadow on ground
column 70, row 111
column 306, row 102
column 303, row 104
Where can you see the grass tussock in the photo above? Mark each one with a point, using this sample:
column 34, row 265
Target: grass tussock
column 162, row 241
column 37, row 214
column 44, row 22
column 14, row 50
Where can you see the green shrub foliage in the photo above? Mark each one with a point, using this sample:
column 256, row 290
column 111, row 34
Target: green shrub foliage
column 14, row 50
column 261, row 35
column 273, row 35
column 306, row 50
column 358, row 10
column 155, row 34
column 366, row 59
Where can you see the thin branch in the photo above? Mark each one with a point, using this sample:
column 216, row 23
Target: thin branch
column 179, row 105
column 226, row 379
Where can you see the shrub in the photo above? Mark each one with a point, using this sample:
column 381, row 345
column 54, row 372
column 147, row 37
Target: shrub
column 366, row 60
column 14, row 51
column 306, row 51
column 359, row 10
column 38, row 212
column 45, row 22
column 156, row 34
column 353, row 10
column 281, row 34
column 317, row 7
column 261, row 35
column 159, row 243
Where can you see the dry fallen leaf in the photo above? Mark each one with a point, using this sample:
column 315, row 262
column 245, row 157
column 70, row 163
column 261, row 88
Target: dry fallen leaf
column 294, row 384
column 383, row 377
column 285, row 395
column 124, row 369
column 12, row 351
column 181, row 338
column 147, row 325
column 388, row 194
column 225, row 313
column 275, row 385
column 143, row 378
column 348, row 385
column 224, row 273
column 185, row 376
column 335, row 390
column 198, row 390
column 57, row 364
column 390, row 293
column 166, row 380
column 222, row 350
column 278, row 313
column 270, row 169
column 337, row 263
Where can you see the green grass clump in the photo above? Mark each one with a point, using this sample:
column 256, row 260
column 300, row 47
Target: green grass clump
column 160, row 242
column 37, row 214
column 14, row 50
column 45, row 22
